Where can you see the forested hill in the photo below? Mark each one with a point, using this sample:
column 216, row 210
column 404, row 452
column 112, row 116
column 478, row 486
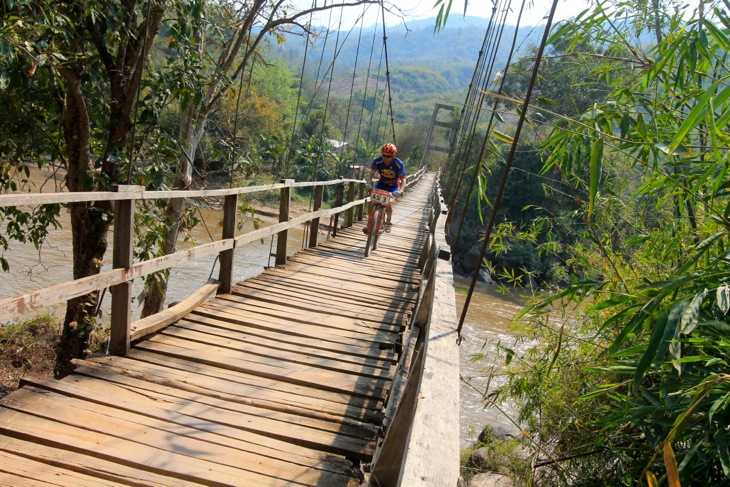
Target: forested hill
column 423, row 63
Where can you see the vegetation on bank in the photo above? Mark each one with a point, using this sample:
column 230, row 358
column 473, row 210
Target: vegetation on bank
column 619, row 192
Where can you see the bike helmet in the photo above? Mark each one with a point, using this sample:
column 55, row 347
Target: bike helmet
column 388, row 149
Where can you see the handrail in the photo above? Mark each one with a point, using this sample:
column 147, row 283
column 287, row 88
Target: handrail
column 119, row 278
column 32, row 199
column 124, row 270
column 420, row 444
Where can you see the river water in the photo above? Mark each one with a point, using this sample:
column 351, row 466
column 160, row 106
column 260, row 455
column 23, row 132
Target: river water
column 33, row 269
column 486, row 324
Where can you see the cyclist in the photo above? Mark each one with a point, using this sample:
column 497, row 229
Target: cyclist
column 392, row 178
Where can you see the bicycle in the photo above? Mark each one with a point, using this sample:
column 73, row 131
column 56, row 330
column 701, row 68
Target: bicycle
column 376, row 220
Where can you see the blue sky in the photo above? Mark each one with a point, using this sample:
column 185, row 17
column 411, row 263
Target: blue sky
column 534, row 14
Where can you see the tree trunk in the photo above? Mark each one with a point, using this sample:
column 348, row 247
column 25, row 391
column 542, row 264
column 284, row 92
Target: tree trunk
column 192, row 127
column 89, row 226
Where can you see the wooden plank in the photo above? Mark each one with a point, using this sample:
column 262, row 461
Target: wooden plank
column 214, row 416
column 300, row 298
column 433, row 447
column 328, row 380
column 338, row 285
column 121, row 450
column 328, row 253
column 192, row 433
column 16, row 470
column 236, row 304
column 304, row 290
column 85, row 464
column 242, row 341
column 60, row 293
column 282, row 337
column 25, row 199
column 363, row 337
column 230, row 347
column 151, row 324
column 320, row 273
column 205, row 381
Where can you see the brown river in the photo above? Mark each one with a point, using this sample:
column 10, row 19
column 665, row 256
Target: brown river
column 486, row 323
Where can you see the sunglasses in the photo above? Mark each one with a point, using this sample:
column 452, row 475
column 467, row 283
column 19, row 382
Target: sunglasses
column 387, row 157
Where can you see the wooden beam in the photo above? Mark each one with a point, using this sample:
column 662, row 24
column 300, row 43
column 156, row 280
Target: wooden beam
column 151, row 324
column 284, row 207
column 225, row 275
column 121, row 315
column 314, row 225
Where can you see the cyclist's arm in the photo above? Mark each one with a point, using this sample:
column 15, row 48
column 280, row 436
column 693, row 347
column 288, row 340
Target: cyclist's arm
column 370, row 176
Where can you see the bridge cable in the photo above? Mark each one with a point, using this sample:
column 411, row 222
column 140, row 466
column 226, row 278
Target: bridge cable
column 489, row 127
column 471, row 113
column 387, row 74
column 367, row 82
column 352, row 90
column 482, row 90
column 293, row 138
column 377, row 85
column 508, row 162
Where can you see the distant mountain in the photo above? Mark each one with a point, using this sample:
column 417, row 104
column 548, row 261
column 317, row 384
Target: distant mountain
column 423, row 63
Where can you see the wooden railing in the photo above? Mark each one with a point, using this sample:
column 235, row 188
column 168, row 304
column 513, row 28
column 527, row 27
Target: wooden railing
column 119, row 278
column 421, row 424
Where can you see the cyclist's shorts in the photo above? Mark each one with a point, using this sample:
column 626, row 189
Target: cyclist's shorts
column 386, row 187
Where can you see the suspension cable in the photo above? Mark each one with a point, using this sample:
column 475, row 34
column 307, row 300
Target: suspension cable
column 489, row 126
column 471, row 113
column 352, row 90
column 508, row 163
column 290, row 148
column 367, row 83
column 387, row 73
column 482, row 90
column 377, row 84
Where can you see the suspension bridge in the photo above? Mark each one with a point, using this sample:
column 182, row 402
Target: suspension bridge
column 326, row 369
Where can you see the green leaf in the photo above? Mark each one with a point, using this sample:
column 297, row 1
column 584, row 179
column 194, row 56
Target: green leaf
column 596, row 169
column 502, row 137
column 689, row 316
column 699, row 111
column 722, row 450
column 719, row 403
column 612, row 301
column 723, row 298
column 647, row 359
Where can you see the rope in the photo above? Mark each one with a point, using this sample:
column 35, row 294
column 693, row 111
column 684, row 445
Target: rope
column 485, row 83
column 341, row 172
column 290, row 148
column 508, row 163
column 387, row 73
column 489, row 127
column 377, row 84
column 471, row 113
column 367, row 82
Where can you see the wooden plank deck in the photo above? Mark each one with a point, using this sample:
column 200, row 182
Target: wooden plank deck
column 281, row 382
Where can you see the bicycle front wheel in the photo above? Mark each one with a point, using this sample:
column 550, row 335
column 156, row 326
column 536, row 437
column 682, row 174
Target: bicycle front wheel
column 373, row 224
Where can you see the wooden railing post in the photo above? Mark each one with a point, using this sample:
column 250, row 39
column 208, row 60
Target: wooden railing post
column 284, row 206
column 360, row 208
column 350, row 198
column 121, row 315
column 314, row 224
column 225, row 275
column 338, row 202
